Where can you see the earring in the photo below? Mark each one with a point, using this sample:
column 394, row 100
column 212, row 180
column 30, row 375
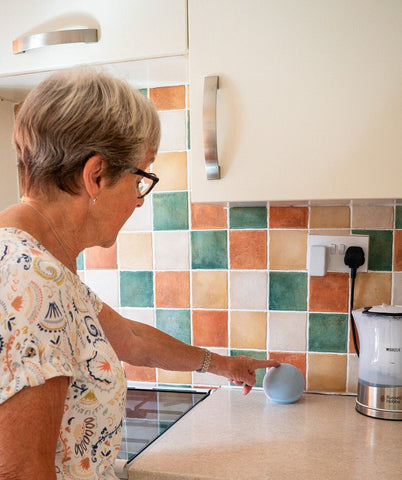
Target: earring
column 94, row 200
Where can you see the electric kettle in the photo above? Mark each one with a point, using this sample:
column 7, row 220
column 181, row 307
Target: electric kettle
column 379, row 391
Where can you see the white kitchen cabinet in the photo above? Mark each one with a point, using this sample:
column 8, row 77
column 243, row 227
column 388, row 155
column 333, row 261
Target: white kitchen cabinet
column 309, row 104
column 8, row 171
column 127, row 30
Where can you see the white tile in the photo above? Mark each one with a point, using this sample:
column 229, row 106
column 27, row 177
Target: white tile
column 105, row 283
column 172, row 250
column 248, row 290
column 287, row 331
column 142, row 315
column 397, row 289
column 173, row 124
column 141, row 219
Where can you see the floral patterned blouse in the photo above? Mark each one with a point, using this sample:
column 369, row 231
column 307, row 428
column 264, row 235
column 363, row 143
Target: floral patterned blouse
column 49, row 328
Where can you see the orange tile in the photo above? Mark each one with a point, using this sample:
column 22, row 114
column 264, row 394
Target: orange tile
column 288, row 217
column 248, row 249
column 296, row 359
column 330, row 217
column 168, row 98
column 326, row 372
column 101, row 258
column 398, row 250
column 139, row 374
column 210, row 328
column 329, row 293
column 172, row 289
column 208, row 216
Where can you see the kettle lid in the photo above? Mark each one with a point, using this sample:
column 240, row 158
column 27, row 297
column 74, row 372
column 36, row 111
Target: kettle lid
column 384, row 309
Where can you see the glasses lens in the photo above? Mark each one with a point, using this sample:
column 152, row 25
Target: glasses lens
column 145, row 185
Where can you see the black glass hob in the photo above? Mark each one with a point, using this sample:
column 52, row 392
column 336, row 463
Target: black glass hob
column 150, row 412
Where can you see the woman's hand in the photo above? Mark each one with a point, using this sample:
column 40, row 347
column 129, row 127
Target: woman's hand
column 240, row 370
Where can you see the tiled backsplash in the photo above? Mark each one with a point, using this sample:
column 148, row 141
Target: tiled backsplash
column 235, row 279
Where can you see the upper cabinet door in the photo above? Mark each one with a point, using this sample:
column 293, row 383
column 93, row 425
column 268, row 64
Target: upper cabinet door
column 309, row 104
column 127, row 29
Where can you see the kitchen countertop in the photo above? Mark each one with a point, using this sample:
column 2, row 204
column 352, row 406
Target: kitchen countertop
column 229, row 436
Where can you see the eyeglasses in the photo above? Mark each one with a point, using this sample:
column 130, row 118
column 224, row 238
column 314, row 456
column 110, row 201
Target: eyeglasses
column 147, row 183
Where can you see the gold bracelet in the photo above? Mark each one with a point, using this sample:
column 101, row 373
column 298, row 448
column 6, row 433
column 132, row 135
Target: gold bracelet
column 207, row 361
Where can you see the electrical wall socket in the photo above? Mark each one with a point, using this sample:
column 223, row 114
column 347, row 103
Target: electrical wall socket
column 331, row 258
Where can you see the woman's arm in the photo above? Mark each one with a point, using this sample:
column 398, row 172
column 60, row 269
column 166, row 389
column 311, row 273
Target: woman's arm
column 29, row 430
column 142, row 345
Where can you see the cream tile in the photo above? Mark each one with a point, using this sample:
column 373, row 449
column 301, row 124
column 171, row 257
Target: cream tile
column 105, row 283
column 248, row 290
column 287, row 331
column 142, row 315
column 209, row 289
column 326, row 372
column 287, row 249
column 248, row 330
column 172, row 250
column 370, row 217
column 167, row 376
column 329, row 217
column 141, row 219
column 173, row 124
column 397, row 289
column 171, row 168
column 135, row 251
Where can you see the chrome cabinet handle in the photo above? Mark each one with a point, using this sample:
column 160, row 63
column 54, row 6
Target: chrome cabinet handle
column 59, row 37
column 211, row 85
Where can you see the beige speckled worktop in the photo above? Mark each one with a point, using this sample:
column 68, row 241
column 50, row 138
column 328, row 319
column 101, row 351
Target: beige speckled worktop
column 229, row 436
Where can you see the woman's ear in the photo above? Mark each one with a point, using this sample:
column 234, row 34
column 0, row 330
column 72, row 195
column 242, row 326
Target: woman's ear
column 93, row 175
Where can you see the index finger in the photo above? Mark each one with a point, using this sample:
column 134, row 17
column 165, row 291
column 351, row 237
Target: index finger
column 265, row 363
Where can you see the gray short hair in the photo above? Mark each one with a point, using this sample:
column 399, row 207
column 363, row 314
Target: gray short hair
column 75, row 114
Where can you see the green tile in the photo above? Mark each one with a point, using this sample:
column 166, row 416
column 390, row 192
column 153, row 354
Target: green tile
column 209, row 249
column 144, row 91
column 176, row 323
column 136, row 289
column 328, row 332
column 259, row 355
column 288, row 291
column 398, row 217
column 170, row 211
column 380, row 249
column 80, row 261
column 248, row 217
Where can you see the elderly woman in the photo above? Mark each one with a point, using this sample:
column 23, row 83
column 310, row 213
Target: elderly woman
column 85, row 142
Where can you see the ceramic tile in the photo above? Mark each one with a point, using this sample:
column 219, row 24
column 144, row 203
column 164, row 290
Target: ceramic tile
column 135, row 251
column 397, row 250
column 181, row 378
column 373, row 218
column 136, row 289
column 173, row 130
column 287, row 331
column 328, row 332
column 206, row 217
column 141, row 219
column 326, row 372
column 248, row 290
column 141, row 315
column 380, row 248
column 80, row 261
column 352, row 374
column 397, row 289
column 260, row 373
column 329, row 293
column 287, row 249
column 296, row 359
column 288, row 291
column 210, row 328
column 248, row 330
column 168, row 98
column 330, row 217
column 171, row 168
column 101, row 258
column 288, row 217
column 398, row 217
column 209, row 289
column 248, row 249
column 139, row 374
column 248, row 217
column 176, row 323
column 172, row 250
column 170, row 211
column 209, row 249
column 105, row 283
column 372, row 288
column 172, row 289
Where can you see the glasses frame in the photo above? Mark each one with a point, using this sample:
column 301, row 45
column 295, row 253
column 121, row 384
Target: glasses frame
column 151, row 176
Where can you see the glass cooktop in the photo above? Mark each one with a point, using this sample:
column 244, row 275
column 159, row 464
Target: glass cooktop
column 150, row 412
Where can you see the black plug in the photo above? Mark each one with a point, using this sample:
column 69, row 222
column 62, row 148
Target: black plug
column 354, row 258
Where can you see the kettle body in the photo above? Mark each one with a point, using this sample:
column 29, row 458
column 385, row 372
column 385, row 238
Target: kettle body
column 379, row 392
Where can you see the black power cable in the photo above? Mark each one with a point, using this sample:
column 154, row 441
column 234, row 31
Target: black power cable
column 354, row 258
